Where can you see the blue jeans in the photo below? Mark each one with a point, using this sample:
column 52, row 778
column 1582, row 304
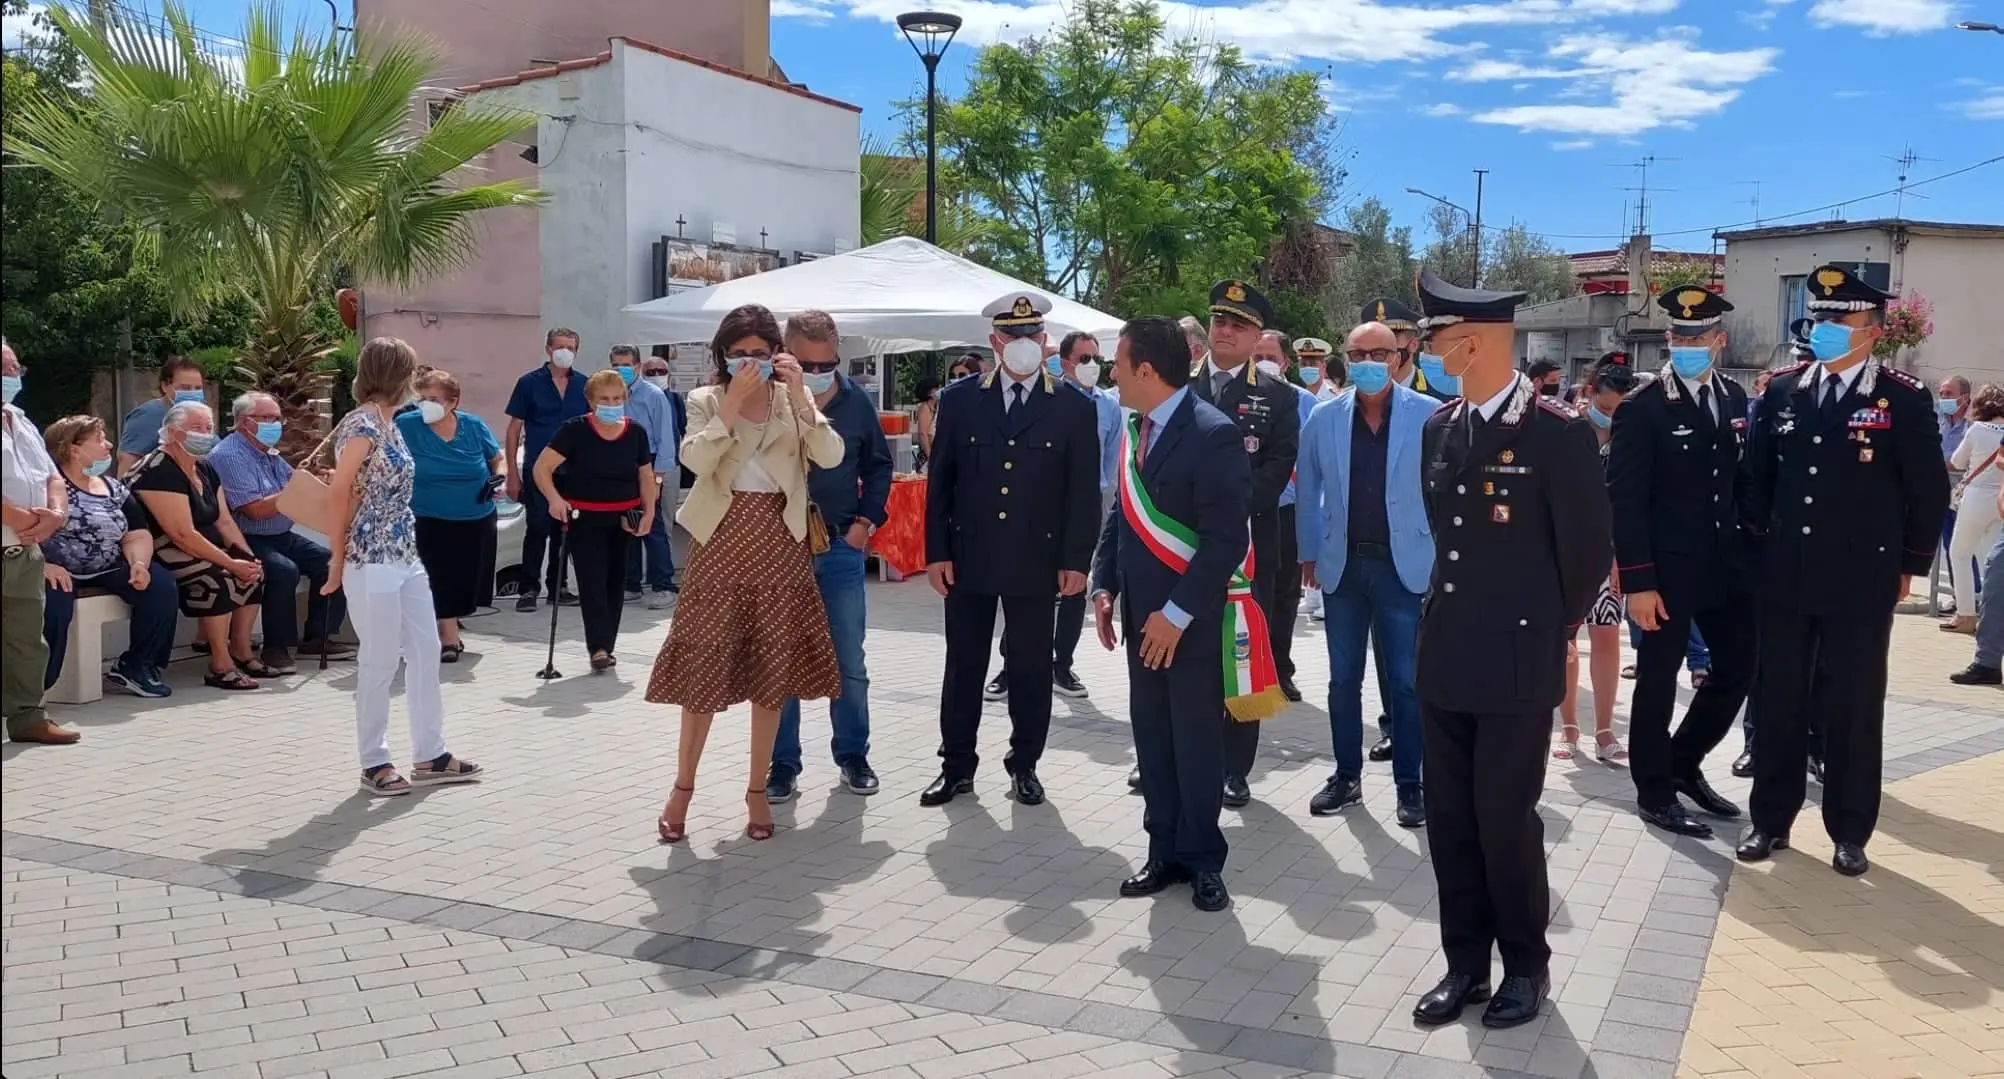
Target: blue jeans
column 839, row 573
column 1371, row 600
column 288, row 558
column 1990, row 624
column 660, row 554
column 154, row 612
column 1696, row 656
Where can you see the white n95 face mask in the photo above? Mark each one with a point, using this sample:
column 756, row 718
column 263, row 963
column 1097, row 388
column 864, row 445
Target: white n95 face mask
column 1023, row 357
column 563, row 358
column 1088, row 373
column 431, row 411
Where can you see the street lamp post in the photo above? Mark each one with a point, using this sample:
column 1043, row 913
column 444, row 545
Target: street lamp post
column 930, row 32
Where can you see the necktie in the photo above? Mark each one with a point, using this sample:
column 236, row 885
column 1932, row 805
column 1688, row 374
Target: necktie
column 1147, row 435
column 1016, row 395
column 1705, row 404
column 1832, row 391
column 1219, row 381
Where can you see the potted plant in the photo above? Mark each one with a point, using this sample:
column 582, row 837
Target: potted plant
column 1909, row 322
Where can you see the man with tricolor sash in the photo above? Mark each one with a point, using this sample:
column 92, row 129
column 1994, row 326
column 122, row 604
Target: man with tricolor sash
column 1173, row 560
column 1522, row 534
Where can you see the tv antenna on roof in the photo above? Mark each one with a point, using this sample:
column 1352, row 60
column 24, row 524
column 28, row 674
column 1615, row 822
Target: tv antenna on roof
column 1906, row 162
column 1642, row 188
column 1754, row 201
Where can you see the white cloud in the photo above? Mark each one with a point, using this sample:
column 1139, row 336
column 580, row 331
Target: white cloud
column 812, row 10
column 1442, row 109
column 1879, row 18
column 1988, row 105
column 1573, row 144
column 1640, row 85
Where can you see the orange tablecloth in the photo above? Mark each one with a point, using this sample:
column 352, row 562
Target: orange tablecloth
column 901, row 542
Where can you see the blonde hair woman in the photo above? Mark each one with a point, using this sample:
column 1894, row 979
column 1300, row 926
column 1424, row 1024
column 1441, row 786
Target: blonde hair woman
column 389, row 594
column 750, row 626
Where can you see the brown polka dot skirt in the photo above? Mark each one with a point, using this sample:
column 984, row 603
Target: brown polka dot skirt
column 750, row 625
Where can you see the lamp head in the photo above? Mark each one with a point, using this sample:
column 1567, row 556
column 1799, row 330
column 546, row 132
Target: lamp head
column 930, row 32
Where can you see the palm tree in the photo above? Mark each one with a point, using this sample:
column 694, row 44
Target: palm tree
column 257, row 175
column 893, row 204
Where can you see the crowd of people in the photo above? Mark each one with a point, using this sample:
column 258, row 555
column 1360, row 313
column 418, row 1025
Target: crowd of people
column 1414, row 491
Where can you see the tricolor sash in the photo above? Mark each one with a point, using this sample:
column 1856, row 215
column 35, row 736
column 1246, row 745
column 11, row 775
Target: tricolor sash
column 1252, row 687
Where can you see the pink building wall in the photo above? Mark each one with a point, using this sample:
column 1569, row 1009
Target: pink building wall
column 484, row 324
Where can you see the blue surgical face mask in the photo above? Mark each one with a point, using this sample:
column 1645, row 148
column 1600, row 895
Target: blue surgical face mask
column 764, row 366
column 817, row 383
column 10, row 387
column 1369, row 376
column 1054, row 365
column 198, row 443
column 1310, row 376
column 98, row 468
column 183, row 397
column 1830, row 341
column 627, row 374
column 1947, row 406
column 1690, row 361
column 1599, row 418
column 268, row 432
column 1435, row 370
column 610, row 413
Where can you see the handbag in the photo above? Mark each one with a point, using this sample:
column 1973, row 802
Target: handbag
column 1955, row 496
column 309, row 501
column 817, row 528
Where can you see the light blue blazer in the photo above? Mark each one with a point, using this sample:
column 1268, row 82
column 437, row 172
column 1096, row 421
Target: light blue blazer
column 1322, row 481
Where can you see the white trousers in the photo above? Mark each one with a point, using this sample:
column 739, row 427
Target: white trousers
column 1976, row 527
column 391, row 609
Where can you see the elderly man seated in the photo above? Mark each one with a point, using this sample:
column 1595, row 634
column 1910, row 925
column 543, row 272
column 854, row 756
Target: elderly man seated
column 252, row 475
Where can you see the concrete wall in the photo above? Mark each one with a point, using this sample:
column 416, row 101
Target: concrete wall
column 1754, row 269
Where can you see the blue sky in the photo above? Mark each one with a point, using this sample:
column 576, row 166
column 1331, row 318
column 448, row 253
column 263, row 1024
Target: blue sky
column 1814, row 99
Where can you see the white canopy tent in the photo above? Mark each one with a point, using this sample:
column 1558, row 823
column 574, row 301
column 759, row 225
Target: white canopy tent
column 902, row 295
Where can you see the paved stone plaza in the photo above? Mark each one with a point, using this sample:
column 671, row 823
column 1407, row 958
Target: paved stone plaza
column 200, row 887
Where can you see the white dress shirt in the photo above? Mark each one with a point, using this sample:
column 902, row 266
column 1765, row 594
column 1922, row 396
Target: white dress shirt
column 1489, row 408
column 28, row 467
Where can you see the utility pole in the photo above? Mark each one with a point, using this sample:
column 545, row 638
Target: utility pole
column 1475, row 275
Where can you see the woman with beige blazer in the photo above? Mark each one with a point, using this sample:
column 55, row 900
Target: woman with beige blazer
column 750, row 625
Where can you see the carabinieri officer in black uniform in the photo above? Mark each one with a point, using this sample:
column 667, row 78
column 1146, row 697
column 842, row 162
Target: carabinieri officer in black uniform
column 1012, row 511
column 1514, row 491
column 1848, row 484
column 1679, row 487
column 1269, row 417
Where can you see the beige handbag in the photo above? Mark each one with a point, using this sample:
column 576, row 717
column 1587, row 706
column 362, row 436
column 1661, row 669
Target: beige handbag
column 308, row 500
column 1955, row 496
column 817, row 528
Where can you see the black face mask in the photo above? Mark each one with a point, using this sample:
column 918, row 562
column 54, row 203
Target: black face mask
column 1548, row 391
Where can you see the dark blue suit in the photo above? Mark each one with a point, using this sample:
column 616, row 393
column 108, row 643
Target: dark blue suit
column 1012, row 500
column 1199, row 475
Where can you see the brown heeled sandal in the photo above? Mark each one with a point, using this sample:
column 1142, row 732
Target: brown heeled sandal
column 675, row 831
column 753, row 830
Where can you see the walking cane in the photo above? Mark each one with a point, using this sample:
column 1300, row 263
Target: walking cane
column 549, row 670
column 326, row 633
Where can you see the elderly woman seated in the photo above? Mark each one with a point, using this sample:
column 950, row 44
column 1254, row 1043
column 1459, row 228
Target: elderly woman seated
column 104, row 544
column 197, row 541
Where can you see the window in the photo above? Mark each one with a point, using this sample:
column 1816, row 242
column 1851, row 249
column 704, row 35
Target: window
column 436, row 108
column 1792, row 300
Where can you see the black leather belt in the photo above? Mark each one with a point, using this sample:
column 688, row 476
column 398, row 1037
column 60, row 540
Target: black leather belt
column 1377, row 550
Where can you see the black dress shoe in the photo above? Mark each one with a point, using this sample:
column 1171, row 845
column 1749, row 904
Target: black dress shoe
column 1153, row 878
column 1516, row 1002
column 1756, row 845
column 858, row 776
column 1207, row 892
column 1027, row 789
column 1412, row 807
column 1066, row 684
column 1381, row 750
column 1976, row 674
column 780, row 785
column 943, row 790
column 1850, row 860
column 1705, row 798
column 1134, row 778
column 1336, row 795
column 1237, row 793
column 997, row 687
column 1443, row 1003
column 1287, row 689
column 1743, row 764
column 1675, row 819
column 1816, row 769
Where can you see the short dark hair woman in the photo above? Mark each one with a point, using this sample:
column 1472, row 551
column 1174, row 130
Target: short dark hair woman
column 750, row 625
column 456, row 459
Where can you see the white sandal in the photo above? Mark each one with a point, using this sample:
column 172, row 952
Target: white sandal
column 1610, row 752
column 1566, row 748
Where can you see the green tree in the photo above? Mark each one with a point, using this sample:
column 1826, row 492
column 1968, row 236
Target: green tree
column 893, row 204
column 1130, row 169
column 67, row 273
column 255, row 177
column 1380, row 263
column 1521, row 260
column 1670, row 271
column 1451, row 255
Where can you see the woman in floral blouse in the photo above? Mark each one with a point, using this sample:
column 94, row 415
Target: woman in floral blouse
column 389, row 595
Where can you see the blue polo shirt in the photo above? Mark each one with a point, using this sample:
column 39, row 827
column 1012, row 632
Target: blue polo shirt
column 542, row 409
column 450, row 475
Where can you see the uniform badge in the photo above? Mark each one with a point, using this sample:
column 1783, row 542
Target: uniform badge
column 1500, row 513
column 1865, row 455
column 1252, row 444
column 1507, row 456
column 1883, row 403
column 1488, row 488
